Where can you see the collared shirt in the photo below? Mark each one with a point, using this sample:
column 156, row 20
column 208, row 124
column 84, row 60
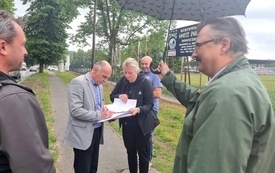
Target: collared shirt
column 98, row 100
column 215, row 76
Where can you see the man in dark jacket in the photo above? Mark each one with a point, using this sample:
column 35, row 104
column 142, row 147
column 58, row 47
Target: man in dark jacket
column 23, row 130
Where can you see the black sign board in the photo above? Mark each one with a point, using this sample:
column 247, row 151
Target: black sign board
column 181, row 41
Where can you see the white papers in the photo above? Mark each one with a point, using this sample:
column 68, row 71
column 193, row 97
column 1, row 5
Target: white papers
column 120, row 108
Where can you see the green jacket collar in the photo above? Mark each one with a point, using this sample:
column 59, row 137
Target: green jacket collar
column 238, row 63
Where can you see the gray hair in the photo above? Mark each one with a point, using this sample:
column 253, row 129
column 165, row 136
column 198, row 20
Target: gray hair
column 7, row 29
column 100, row 63
column 227, row 27
column 131, row 62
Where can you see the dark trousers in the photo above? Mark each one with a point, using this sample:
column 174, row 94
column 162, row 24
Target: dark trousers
column 86, row 161
column 136, row 143
column 151, row 141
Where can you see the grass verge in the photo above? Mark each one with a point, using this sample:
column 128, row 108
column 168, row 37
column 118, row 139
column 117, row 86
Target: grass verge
column 165, row 136
column 39, row 83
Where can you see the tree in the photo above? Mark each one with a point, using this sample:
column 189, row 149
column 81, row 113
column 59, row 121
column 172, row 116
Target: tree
column 151, row 43
column 116, row 27
column 46, row 24
column 82, row 58
column 7, row 5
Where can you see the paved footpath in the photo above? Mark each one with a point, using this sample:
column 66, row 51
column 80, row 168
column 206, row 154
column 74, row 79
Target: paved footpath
column 112, row 156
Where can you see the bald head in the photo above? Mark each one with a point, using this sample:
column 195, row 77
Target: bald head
column 145, row 64
column 147, row 59
column 102, row 64
column 101, row 72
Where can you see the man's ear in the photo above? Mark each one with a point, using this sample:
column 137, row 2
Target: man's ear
column 96, row 68
column 225, row 42
column 3, row 47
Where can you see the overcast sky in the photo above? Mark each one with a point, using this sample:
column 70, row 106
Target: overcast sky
column 259, row 25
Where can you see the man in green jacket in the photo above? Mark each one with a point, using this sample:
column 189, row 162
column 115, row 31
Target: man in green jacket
column 230, row 124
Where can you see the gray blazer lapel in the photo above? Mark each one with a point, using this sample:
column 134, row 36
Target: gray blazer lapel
column 91, row 87
column 102, row 95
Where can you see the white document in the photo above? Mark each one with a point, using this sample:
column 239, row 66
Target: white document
column 120, row 108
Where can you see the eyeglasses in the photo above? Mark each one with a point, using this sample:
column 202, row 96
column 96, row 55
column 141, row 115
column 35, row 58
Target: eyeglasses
column 198, row 45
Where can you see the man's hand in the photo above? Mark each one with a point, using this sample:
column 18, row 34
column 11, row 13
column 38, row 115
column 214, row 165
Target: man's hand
column 162, row 68
column 105, row 113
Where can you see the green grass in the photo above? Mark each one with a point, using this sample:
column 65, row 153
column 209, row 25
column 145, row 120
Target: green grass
column 66, row 77
column 268, row 81
column 165, row 136
column 199, row 80
column 171, row 115
column 195, row 79
column 39, row 83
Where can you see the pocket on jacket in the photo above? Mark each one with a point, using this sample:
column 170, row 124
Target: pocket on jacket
column 79, row 123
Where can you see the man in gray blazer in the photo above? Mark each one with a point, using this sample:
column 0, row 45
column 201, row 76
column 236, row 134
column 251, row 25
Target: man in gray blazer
column 86, row 107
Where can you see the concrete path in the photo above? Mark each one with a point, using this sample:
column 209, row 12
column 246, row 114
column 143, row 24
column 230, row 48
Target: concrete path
column 112, row 157
column 60, row 113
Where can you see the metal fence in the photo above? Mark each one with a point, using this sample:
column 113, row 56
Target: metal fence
column 116, row 74
column 80, row 69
